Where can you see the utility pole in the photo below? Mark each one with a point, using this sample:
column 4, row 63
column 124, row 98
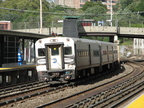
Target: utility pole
column 40, row 16
column 111, row 13
column 63, row 2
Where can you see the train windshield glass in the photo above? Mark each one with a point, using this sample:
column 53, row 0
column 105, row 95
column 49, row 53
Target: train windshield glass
column 55, row 51
column 41, row 52
column 67, row 50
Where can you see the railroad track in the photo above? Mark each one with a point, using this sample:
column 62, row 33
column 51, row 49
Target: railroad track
column 11, row 92
column 21, row 87
column 101, row 90
column 26, row 92
column 108, row 95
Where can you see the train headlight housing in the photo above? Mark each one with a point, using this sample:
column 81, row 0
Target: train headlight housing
column 68, row 75
column 70, row 66
column 41, row 61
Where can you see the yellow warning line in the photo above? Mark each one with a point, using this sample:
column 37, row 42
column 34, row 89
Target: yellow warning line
column 138, row 103
column 17, row 67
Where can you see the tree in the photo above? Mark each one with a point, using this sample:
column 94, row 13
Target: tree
column 125, row 3
column 14, row 6
column 140, row 7
column 128, row 13
column 90, row 4
column 133, row 5
column 24, row 4
column 87, row 5
column 95, row 10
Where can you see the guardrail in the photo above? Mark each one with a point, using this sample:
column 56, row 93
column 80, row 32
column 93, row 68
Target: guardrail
column 90, row 30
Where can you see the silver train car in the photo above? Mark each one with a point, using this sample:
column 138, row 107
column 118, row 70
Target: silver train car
column 65, row 58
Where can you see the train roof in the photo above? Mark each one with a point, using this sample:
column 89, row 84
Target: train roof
column 79, row 40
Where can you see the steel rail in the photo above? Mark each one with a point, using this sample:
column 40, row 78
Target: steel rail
column 20, row 87
column 76, row 94
column 18, row 98
column 111, row 96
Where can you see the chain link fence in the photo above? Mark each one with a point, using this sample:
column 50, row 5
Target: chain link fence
column 35, row 25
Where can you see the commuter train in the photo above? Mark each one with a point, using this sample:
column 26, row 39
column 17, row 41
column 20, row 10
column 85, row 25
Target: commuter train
column 66, row 58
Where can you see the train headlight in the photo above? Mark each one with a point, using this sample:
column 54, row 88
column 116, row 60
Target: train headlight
column 68, row 77
column 41, row 61
column 46, row 79
column 70, row 66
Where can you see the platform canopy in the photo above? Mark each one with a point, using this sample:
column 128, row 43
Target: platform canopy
column 21, row 34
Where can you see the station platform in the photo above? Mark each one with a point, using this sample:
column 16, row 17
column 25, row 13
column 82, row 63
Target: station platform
column 137, row 103
column 134, row 102
column 14, row 73
column 15, row 66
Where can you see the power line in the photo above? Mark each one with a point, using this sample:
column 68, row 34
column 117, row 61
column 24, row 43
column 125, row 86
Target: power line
column 30, row 11
column 54, row 13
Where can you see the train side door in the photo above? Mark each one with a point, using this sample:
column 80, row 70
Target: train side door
column 55, row 57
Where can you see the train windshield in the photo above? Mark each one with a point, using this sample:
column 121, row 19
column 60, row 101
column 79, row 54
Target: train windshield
column 41, row 52
column 55, row 51
column 67, row 50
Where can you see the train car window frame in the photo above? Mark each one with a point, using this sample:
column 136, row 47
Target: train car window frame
column 83, row 53
column 96, row 53
column 104, row 52
column 41, row 52
column 55, row 51
column 67, row 50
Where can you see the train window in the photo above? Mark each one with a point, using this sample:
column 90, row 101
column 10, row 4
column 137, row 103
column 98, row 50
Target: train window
column 104, row 52
column 67, row 50
column 110, row 52
column 83, row 53
column 96, row 53
column 55, row 51
column 41, row 52
column 87, row 53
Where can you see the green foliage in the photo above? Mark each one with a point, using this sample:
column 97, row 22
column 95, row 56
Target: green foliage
column 90, row 4
column 24, row 4
column 87, row 5
column 126, row 41
column 90, row 10
column 57, row 8
column 28, row 11
column 125, row 3
column 128, row 13
column 130, row 5
column 140, row 7
column 94, row 10
column 18, row 13
column 96, row 38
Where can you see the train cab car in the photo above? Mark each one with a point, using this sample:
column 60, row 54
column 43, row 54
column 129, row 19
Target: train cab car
column 55, row 58
column 65, row 58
